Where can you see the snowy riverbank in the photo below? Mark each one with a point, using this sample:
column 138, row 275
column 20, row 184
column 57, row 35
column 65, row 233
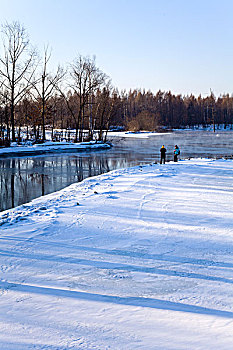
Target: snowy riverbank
column 138, row 134
column 143, row 262
column 51, row 147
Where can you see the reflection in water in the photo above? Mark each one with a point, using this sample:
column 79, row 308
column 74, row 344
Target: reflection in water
column 22, row 179
column 25, row 178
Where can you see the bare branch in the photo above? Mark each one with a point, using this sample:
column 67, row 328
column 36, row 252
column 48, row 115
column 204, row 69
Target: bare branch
column 17, row 66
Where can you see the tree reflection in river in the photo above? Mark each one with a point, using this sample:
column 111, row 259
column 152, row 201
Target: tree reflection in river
column 22, row 179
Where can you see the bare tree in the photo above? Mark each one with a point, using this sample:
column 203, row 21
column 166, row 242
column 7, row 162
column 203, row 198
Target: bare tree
column 103, row 111
column 86, row 78
column 46, row 85
column 17, row 66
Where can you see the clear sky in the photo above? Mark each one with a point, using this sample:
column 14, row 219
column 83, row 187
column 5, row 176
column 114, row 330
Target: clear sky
column 179, row 45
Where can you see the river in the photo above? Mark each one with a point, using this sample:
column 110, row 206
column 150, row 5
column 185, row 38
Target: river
column 25, row 178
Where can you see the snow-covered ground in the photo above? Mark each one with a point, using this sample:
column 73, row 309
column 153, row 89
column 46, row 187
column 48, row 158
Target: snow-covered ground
column 51, row 147
column 138, row 258
column 139, row 134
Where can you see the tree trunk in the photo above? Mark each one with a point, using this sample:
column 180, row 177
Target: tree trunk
column 13, row 122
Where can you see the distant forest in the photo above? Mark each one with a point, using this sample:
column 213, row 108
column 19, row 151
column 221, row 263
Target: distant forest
column 81, row 97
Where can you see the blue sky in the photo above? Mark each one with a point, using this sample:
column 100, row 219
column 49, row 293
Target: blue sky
column 178, row 45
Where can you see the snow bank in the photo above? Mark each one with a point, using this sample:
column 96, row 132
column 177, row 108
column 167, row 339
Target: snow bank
column 139, row 258
column 139, row 134
column 52, row 147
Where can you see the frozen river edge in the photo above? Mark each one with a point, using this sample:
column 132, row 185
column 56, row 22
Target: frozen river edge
column 138, row 258
column 52, row 147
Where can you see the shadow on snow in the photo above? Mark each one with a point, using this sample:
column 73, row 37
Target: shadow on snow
column 129, row 301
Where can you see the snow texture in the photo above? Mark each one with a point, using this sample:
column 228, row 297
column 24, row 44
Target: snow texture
column 51, row 147
column 135, row 259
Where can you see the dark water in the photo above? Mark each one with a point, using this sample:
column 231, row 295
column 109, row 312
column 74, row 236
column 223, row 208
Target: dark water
column 25, row 178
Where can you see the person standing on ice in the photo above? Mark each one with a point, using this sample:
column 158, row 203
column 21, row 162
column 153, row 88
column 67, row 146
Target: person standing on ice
column 176, row 153
column 163, row 154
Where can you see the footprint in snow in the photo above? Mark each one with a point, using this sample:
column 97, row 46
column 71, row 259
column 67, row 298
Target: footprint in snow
column 112, row 197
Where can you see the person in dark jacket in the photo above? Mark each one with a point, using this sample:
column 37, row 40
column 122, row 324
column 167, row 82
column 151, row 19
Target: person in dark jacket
column 176, row 153
column 163, row 154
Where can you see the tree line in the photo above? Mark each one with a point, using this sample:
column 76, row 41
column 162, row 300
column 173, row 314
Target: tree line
column 81, row 101
column 147, row 111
